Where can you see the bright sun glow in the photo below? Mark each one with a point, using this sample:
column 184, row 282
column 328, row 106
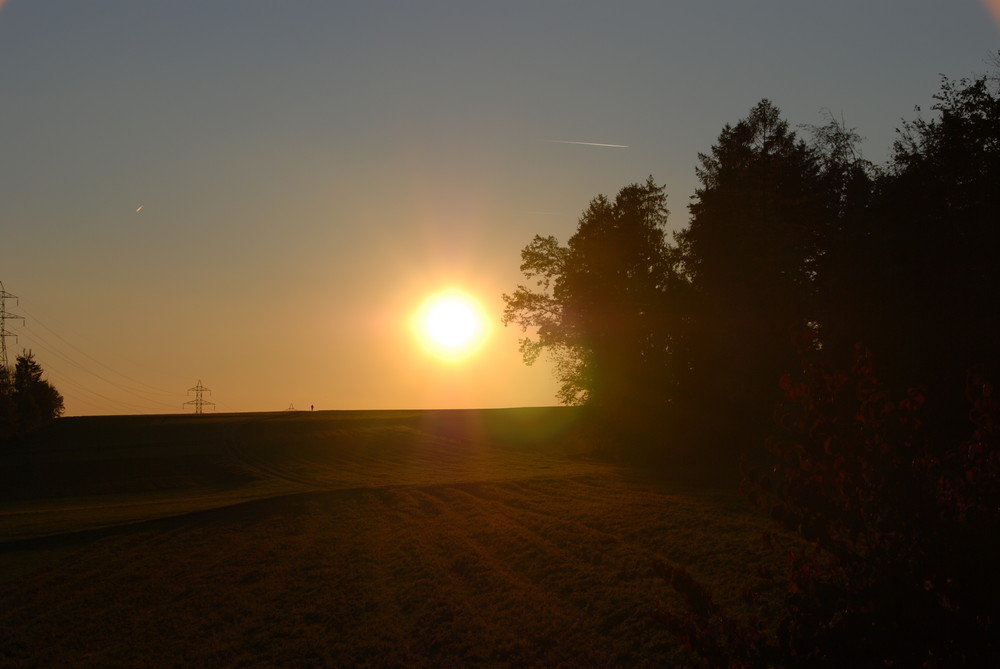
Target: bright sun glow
column 451, row 325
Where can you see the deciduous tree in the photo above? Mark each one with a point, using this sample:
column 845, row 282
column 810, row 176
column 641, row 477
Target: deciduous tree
column 600, row 304
column 917, row 281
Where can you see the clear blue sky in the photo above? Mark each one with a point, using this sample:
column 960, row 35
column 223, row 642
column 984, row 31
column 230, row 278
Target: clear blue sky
column 309, row 170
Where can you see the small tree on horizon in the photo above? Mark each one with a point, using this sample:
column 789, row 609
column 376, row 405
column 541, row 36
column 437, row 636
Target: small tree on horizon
column 35, row 401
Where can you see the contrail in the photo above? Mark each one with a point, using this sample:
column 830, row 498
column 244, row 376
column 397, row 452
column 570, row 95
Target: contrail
column 139, row 208
column 566, row 141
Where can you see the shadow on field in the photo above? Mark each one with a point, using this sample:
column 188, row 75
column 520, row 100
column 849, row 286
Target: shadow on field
column 345, row 539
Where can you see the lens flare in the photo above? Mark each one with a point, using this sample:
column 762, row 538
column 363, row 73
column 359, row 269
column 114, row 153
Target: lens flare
column 993, row 7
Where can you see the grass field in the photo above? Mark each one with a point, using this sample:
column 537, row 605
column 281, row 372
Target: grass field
column 427, row 539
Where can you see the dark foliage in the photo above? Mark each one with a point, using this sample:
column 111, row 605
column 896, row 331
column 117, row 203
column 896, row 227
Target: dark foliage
column 599, row 305
column 8, row 412
column 877, row 472
column 785, row 236
column 893, row 492
column 903, row 534
column 27, row 401
column 757, row 225
column 914, row 272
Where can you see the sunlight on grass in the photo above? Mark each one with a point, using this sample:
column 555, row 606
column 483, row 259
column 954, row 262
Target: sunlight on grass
column 408, row 538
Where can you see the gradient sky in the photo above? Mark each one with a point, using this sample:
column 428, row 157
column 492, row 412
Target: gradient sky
column 309, row 170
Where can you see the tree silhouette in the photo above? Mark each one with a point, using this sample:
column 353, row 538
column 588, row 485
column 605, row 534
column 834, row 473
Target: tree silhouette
column 873, row 465
column 751, row 250
column 599, row 304
column 789, row 241
column 916, row 281
column 897, row 566
column 35, row 400
column 849, row 183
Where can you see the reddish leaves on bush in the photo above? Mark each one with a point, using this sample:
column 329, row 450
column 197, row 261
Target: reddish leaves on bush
column 903, row 532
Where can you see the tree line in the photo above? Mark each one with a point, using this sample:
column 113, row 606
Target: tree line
column 27, row 401
column 835, row 323
column 796, row 245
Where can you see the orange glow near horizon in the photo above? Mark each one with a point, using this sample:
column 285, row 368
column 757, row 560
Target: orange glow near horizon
column 451, row 325
column 993, row 6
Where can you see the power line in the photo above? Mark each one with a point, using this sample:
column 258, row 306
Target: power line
column 4, row 317
column 78, row 369
column 140, row 396
column 152, row 389
column 136, row 393
column 97, row 400
column 198, row 400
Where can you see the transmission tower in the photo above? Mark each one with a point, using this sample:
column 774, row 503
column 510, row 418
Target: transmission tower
column 199, row 402
column 4, row 317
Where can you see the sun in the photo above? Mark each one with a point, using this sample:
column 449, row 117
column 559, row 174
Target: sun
column 451, row 325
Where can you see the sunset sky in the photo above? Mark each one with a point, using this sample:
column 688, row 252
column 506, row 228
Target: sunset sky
column 259, row 194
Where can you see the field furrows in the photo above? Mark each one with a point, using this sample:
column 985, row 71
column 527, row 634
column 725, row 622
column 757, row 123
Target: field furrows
column 374, row 455
column 539, row 572
column 400, row 539
column 247, row 459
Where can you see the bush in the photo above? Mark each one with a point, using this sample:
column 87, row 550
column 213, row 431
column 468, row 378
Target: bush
column 902, row 533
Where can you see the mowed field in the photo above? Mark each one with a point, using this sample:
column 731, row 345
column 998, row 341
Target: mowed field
column 424, row 539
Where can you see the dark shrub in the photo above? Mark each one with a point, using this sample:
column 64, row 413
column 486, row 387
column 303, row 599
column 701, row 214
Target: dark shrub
column 902, row 533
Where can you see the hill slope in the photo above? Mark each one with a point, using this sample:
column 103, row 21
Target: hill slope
column 354, row 539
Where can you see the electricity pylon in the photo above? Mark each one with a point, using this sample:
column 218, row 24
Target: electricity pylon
column 4, row 317
column 199, row 402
